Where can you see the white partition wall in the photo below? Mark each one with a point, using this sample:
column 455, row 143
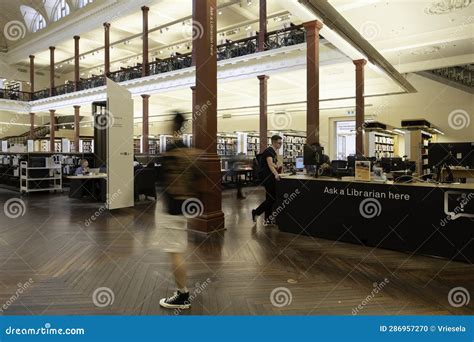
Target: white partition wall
column 119, row 147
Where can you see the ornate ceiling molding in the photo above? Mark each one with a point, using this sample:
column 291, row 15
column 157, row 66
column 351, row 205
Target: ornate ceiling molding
column 440, row 7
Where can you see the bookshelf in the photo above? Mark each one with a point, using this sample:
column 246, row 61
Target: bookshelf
column 226, row 144
column 416, row 148
column 47, row 177
column 293, row 145
column 381, row 145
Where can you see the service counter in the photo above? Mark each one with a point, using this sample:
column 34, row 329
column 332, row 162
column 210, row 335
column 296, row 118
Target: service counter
column 422, row 218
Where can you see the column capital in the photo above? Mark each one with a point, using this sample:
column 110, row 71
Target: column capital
column 145, row 96
column 106, row 25
column 76, row 37
column 31, row 113
column 52, row 111
column 193, row 88
column 52, row 48
column 145, row 8
column 360, row 62
column 77, row 106
column 263, row 77
column 32, row 56
column 314, row 24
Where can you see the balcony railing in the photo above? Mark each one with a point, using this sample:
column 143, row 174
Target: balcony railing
column 170, row 64
column 15, row 95
column 273, row 40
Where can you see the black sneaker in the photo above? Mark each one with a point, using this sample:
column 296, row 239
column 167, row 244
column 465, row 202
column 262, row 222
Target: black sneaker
column 254, row 215
column 177, row 301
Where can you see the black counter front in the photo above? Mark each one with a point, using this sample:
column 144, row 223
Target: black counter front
column 420, row 218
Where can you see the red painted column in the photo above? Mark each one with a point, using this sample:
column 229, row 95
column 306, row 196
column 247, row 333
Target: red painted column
column 51, row 71
column 32, row 76
column 76, row 63
column 145, row 41
column 262, row 31
column 77, row 126
column 32, row 125
column 263, row 121
column 360, row 105
column 204, row 44
column 106, row 49
column 52, row 121
column 312, row 80
column 145, row 123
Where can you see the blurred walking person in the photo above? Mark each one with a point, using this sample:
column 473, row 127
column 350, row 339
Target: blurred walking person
column 180, row 177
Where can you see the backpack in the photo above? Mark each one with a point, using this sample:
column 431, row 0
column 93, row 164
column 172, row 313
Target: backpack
column 257, row 165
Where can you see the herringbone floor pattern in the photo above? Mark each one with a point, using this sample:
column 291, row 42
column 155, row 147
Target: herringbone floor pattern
column 67, row 260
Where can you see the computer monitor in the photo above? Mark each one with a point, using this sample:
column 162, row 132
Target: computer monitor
column 452, row 154
column 313, row 155
column 299, row 163
column 392, row 164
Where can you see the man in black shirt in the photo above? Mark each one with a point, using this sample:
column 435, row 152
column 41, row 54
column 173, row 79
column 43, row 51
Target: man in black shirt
column 268, row 175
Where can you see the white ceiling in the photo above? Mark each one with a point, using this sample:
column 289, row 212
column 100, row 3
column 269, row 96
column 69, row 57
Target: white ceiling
column 404, row 31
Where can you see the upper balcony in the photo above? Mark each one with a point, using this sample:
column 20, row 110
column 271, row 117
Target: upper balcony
column 290, row 36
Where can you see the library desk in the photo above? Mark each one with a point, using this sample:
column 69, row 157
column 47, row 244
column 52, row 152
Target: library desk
column 422, row 218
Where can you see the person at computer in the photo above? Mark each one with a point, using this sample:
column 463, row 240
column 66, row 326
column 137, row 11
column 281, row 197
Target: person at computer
column 83, row 169
column 268, row 175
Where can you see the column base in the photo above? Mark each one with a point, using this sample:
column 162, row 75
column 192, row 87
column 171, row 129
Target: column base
column 208, row 223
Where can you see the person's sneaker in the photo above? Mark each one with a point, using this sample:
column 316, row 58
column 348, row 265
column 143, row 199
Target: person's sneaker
column 177, row 301
column 254, row 215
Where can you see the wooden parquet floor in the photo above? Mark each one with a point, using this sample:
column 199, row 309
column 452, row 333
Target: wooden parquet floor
column 65, row 260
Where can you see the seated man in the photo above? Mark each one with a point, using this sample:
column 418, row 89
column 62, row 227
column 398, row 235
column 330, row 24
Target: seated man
column 83, row 169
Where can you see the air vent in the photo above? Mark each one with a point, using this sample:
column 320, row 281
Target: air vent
column 226, row 116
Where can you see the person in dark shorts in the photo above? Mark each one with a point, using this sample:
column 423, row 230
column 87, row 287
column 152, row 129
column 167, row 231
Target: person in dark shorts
column 268, row 176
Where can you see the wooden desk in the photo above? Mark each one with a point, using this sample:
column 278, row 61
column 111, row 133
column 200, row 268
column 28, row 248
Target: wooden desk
column 92, row 185
column 85, row 177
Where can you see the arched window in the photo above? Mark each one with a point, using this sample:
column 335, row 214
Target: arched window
column 39, row 23
column 83, row 3
column 61, row 10
column 33, row 19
